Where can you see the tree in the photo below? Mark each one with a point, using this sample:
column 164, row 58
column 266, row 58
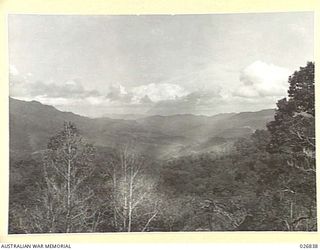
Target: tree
column 301, row 90
column 293, row 130
column 66, row 202
column 293, row 139
column 134, row 199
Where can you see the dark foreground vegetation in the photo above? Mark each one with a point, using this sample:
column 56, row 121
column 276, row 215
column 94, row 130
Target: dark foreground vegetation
column 266, row 181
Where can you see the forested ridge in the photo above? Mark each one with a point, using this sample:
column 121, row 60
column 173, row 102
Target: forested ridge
column 260, row 181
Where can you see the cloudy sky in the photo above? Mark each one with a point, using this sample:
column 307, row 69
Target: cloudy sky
column 157, row 64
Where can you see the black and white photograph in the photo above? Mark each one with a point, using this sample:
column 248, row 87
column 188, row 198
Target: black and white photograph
column 161, row 123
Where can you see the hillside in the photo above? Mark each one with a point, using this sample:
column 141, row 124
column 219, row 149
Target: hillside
column 32, row 123
column 201, row 127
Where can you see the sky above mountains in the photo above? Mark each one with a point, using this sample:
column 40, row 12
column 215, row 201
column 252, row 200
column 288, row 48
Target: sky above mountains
column 157, row 64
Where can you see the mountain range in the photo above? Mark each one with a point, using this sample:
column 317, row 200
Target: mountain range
column 33, row 123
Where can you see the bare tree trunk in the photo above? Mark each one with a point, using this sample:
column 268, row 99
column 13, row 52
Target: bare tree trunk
column 68, row 222
column 125, row 208
column 150, row 219
column 131, row 191
column 130, row 199
column 114, row 177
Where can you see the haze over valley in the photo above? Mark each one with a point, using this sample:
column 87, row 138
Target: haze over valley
column 32, row 123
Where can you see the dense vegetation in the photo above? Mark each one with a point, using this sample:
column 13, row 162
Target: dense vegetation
column 265, row 181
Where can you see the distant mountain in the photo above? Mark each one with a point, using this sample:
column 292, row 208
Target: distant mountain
column 125, row 116
column 200, row 127
column 32, row 124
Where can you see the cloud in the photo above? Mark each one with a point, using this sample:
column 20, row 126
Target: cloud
column 70, row 89
column 71, row 95
column 119, row 93
column 146, row 94
column 260, row 79
column 24, row 86
column 13, row 70
column 145, row 100
column 198, row 102
column 159, row 92
column 260, row 86
column 201, row 97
